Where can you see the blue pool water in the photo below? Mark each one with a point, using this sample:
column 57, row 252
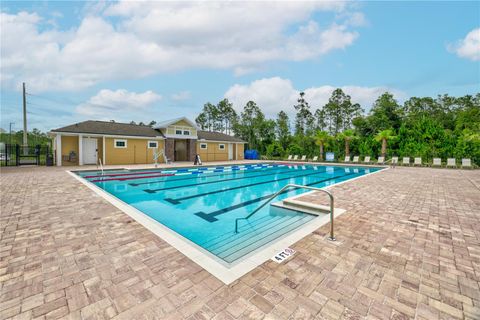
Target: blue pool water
column 202, row 203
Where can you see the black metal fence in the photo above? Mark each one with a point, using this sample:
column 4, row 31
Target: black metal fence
column 17, row 155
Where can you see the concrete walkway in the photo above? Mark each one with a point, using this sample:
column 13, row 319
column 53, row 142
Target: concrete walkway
column 408, row 247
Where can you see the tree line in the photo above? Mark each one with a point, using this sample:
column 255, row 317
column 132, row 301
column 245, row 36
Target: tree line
column 426, row 127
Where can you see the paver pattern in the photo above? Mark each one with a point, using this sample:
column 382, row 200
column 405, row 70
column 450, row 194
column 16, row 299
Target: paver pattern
column 408, row 247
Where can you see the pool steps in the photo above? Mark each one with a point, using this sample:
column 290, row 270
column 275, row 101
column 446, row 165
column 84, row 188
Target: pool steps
column 302, row 206
column 231, row 246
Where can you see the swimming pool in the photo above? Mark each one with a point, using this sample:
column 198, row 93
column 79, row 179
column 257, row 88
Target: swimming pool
column 202, row 203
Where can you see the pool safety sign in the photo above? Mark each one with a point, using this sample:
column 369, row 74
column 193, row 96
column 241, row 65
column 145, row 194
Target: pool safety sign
column 283, row 255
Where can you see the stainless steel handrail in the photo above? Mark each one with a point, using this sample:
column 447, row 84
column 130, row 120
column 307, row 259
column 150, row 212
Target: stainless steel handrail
column 296, row 186
column 99, row 163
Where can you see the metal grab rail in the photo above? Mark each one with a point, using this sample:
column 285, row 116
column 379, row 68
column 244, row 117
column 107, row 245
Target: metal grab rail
column 296, row 186
column 99, row 163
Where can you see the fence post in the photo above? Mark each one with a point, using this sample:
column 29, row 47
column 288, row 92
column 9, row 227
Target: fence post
column 17, row 154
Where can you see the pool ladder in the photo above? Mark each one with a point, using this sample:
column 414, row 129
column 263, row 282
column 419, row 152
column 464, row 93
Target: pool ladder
column 100, row 165
column 296, row 186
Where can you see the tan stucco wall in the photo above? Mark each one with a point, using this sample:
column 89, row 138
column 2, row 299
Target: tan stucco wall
column 181, row 123
column 69, row 144
column 240, row 151
column 214, row 153
column 136, row 152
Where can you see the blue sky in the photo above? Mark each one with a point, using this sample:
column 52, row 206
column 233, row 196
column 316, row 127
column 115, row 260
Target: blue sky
column 158, row 60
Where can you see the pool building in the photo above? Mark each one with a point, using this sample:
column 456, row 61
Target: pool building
column 123, row 143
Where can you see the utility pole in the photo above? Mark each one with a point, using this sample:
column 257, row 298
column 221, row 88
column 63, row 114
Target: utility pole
column 25, row 142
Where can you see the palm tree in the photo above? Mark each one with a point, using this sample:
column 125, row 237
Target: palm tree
column 347, row 136
column 321, row 139
column 384, row 136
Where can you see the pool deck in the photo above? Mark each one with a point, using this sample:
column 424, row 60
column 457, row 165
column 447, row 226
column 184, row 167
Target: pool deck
column 408, row 247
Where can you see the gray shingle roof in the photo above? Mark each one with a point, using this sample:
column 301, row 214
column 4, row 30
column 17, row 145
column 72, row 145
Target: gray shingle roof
column 217, row 136
column 110, row 128
column 126, row 129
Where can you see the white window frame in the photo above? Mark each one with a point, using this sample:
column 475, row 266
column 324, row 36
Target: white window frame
column 152, row 141
column 219, row 146
column 203, row 144
column 120, row 140
column 176, row 132
column 186, row 134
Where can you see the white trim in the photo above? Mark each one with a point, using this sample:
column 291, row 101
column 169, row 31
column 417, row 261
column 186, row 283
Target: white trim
column 119, row 140
column 206, row 146
column 179, row 136
column 221, row 144
column 152, row 141
column 168, row 123
column 84, row 152
column 80, row 150
column 58, row 149
column 106, row 135
column 103, row 151
column 230, row 151
column 220, row 141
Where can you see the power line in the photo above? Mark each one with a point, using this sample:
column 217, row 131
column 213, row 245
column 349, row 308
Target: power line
column 70, row 102
column 65, row 101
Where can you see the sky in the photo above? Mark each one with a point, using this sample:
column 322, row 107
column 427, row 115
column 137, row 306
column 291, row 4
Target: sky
column 143, row 61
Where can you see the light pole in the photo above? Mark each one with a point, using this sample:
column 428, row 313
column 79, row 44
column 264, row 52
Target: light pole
column 11, row 132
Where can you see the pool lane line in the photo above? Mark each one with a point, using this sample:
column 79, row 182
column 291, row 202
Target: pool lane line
column 180, row 170
column 134, row 178
column 171, row 173
column 178, row 200
column 223, row 180
column 165, row 174
column 210, row 217
column 159, row 171
column 194, row 176
column 123, row 174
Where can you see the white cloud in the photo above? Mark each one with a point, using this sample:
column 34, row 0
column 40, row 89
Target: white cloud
column 276, row 94
column 118, row 104
column 469, row 47
column 181, row 96
column 130, row 39
column 356, row 19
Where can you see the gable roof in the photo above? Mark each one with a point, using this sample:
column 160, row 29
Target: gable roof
column 166, row 123
column 110, row 128
column 217, row 136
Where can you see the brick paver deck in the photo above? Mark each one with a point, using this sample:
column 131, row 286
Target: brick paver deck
column 408, row 247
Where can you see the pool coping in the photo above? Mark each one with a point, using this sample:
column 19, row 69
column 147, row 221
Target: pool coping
column 225, row 272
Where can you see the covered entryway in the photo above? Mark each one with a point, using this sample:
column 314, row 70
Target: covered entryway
column 180, row 150
column 89, row 150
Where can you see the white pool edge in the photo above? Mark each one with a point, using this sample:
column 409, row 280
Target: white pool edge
column 201, row 257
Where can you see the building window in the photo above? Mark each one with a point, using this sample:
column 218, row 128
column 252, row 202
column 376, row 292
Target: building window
column 203, row 146
column 178, row 131
column 221, row 146
column 120, row 143
column 152, row 144
column 186, row 132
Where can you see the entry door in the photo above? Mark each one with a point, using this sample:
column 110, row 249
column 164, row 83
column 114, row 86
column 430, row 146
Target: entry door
column 89, row 151
column 230, row 151
column 180, row 150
